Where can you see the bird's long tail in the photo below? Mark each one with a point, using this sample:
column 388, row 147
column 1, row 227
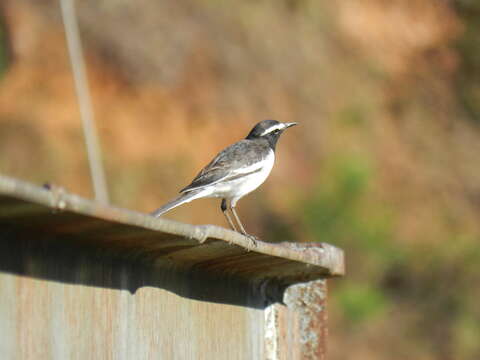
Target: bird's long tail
column 182, row 199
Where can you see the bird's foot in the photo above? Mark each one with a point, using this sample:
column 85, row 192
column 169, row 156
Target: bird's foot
column 253, row 240
column 58, row 192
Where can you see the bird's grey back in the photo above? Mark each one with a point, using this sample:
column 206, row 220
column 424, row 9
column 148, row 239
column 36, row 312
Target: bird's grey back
column 239, row 155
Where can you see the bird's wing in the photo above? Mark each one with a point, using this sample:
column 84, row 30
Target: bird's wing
column 236, row 161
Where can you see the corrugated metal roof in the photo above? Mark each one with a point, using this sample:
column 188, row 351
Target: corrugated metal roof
column 203, row 262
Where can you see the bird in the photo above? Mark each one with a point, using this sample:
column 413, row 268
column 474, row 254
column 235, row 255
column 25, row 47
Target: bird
column 235, row 172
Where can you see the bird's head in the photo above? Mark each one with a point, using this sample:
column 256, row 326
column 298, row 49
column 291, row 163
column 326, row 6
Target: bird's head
column 269, row 130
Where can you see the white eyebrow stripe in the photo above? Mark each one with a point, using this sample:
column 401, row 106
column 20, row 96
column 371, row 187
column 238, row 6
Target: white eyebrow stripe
column 273, row 128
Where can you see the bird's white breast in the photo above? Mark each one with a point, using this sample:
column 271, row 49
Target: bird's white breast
column 254, row 180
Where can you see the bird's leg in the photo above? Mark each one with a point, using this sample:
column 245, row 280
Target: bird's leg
column 242, row 229
column 223, row 207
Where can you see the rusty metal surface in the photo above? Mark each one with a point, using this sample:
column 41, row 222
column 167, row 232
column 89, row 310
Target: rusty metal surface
column 79, row 280
column 199, row 262
column 49, row 320
column 298, row 331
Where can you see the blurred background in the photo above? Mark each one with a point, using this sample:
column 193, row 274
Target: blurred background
column 385, row 163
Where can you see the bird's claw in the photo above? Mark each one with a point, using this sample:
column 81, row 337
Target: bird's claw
column 253, row 240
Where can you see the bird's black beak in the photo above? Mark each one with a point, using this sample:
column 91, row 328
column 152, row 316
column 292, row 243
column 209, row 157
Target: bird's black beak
column 290, row 124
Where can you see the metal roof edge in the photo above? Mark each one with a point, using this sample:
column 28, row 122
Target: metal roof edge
column 317, row 254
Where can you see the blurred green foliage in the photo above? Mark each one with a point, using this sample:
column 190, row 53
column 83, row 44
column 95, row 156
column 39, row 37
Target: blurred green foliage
column 468, row 45
column 340, row 213
column 360, row 302
column 3, row 52
column 384, row 274
column 354, row 115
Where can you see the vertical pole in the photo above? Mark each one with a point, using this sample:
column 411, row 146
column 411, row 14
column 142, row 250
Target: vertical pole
column 298, row 330
column 84, row 101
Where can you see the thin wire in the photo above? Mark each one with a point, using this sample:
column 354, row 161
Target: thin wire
column 84, row 100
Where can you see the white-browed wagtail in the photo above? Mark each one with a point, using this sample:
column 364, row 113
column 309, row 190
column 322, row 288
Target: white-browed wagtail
column 234, row 172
